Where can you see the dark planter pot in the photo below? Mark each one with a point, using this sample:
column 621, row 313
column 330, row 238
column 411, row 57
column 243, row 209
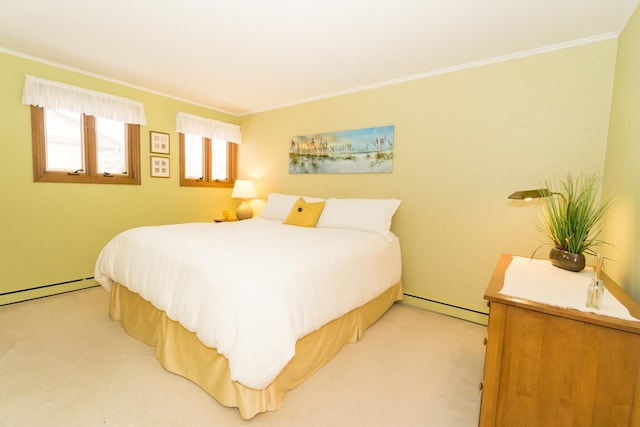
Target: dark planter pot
column 567, row 260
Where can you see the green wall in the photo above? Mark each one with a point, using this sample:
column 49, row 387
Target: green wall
column 464, row 141
column 52, row 233
column 622, row 171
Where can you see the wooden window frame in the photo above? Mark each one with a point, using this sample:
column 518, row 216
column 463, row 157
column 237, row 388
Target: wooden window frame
column 207, row 181
column 90, row 175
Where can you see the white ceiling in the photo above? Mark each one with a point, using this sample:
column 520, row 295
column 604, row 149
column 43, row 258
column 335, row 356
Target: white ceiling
column 243, row 56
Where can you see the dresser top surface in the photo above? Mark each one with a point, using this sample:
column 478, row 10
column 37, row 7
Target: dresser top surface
column 496, row 283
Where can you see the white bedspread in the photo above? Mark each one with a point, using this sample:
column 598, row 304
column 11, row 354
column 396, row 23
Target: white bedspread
column 252, row 288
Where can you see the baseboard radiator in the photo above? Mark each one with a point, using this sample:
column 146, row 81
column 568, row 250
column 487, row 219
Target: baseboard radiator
column 43, row 291
column 442, row 307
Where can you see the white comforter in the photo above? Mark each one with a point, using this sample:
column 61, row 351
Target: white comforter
column 251, row 288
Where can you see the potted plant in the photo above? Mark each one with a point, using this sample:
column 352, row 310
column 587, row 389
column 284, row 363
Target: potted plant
column 571, row 218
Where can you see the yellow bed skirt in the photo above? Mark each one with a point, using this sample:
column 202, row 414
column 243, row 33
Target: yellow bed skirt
column 181, row 352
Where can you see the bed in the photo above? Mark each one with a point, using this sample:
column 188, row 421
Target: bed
column 249, row 309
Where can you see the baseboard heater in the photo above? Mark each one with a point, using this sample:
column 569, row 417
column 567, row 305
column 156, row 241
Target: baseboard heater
column 43, row 291
column 449, row 309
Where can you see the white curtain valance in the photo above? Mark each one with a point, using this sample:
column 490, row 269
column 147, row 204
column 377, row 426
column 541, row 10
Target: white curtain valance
column 208, row 128
column 62, row 96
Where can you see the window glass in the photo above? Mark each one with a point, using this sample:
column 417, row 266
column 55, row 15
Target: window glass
column 194, row 156
column 64, row 147
column 111, row 144
column 219, row 160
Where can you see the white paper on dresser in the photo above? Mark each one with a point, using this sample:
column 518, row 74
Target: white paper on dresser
column 538, row 281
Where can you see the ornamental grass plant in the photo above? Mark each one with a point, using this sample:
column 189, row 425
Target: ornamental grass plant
column 571, row 217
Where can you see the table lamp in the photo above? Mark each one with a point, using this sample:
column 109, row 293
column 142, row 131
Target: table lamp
column 244, row 189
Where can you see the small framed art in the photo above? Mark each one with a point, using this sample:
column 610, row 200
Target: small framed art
column 160, row 167
column 159, row 142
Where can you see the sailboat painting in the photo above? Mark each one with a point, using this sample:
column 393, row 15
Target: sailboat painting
column 368, row 150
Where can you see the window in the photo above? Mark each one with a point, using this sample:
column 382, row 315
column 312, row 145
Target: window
column 207, row 163
column 100, row 143
column 208, row 151
column 75, row 147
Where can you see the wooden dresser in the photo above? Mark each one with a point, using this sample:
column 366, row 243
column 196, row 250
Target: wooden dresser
column 550, row 366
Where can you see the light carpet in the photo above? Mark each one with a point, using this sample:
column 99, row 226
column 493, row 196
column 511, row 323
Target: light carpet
column 63, row 362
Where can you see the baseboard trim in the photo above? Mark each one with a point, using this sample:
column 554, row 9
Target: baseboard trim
column 45, row 291
column 447, row 309
column 23, row 295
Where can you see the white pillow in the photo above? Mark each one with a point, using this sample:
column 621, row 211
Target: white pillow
column 359, row 214
column 279, row 205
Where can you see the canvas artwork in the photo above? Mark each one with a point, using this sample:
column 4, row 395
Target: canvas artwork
column 367, row 150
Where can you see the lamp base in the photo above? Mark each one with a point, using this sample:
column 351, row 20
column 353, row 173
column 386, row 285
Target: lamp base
column 244, row 211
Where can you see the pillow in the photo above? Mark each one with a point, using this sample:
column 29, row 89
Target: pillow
column 304, row 214
column 360, row 214
column 278, row 205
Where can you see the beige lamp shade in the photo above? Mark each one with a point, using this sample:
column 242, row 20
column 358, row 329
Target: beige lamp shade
column 244, row 189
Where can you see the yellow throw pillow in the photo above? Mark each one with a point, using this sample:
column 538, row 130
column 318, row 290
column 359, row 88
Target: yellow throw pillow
column 304, row 214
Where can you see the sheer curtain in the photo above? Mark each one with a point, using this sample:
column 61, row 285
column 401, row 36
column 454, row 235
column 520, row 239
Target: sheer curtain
column 208, row 128
column 62, row 96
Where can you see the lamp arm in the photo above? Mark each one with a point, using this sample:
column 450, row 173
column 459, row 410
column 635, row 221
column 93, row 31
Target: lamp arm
column 554, row 193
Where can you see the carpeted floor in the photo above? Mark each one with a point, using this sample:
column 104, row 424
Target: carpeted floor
column 63, row 362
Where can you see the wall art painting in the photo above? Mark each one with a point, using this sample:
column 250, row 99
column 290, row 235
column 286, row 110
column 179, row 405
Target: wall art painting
column 367, row 150
column 159, row 142
column 160, row 167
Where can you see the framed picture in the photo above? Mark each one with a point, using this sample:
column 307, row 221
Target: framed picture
column 368, row 150
column 160, row 167
column 159, row 142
